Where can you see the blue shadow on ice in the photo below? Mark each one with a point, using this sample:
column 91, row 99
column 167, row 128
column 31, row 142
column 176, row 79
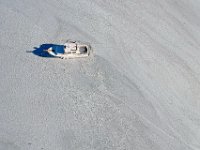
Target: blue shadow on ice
column 41, row 50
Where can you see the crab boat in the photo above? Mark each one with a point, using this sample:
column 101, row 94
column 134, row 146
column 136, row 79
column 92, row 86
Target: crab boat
column 71, row 49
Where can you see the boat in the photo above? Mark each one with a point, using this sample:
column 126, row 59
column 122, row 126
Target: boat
column 71, row 49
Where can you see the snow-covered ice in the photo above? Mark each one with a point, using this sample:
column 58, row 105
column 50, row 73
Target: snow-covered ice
column 140, row 91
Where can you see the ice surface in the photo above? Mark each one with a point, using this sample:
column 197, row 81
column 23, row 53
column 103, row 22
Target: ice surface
column 140, row 91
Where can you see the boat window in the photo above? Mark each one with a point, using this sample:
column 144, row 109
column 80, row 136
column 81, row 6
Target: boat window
column 83, row 49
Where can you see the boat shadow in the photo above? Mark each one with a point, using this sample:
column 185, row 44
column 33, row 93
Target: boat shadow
column 40, row 51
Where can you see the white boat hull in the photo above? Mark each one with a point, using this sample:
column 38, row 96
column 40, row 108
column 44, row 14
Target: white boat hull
column 80, row 50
